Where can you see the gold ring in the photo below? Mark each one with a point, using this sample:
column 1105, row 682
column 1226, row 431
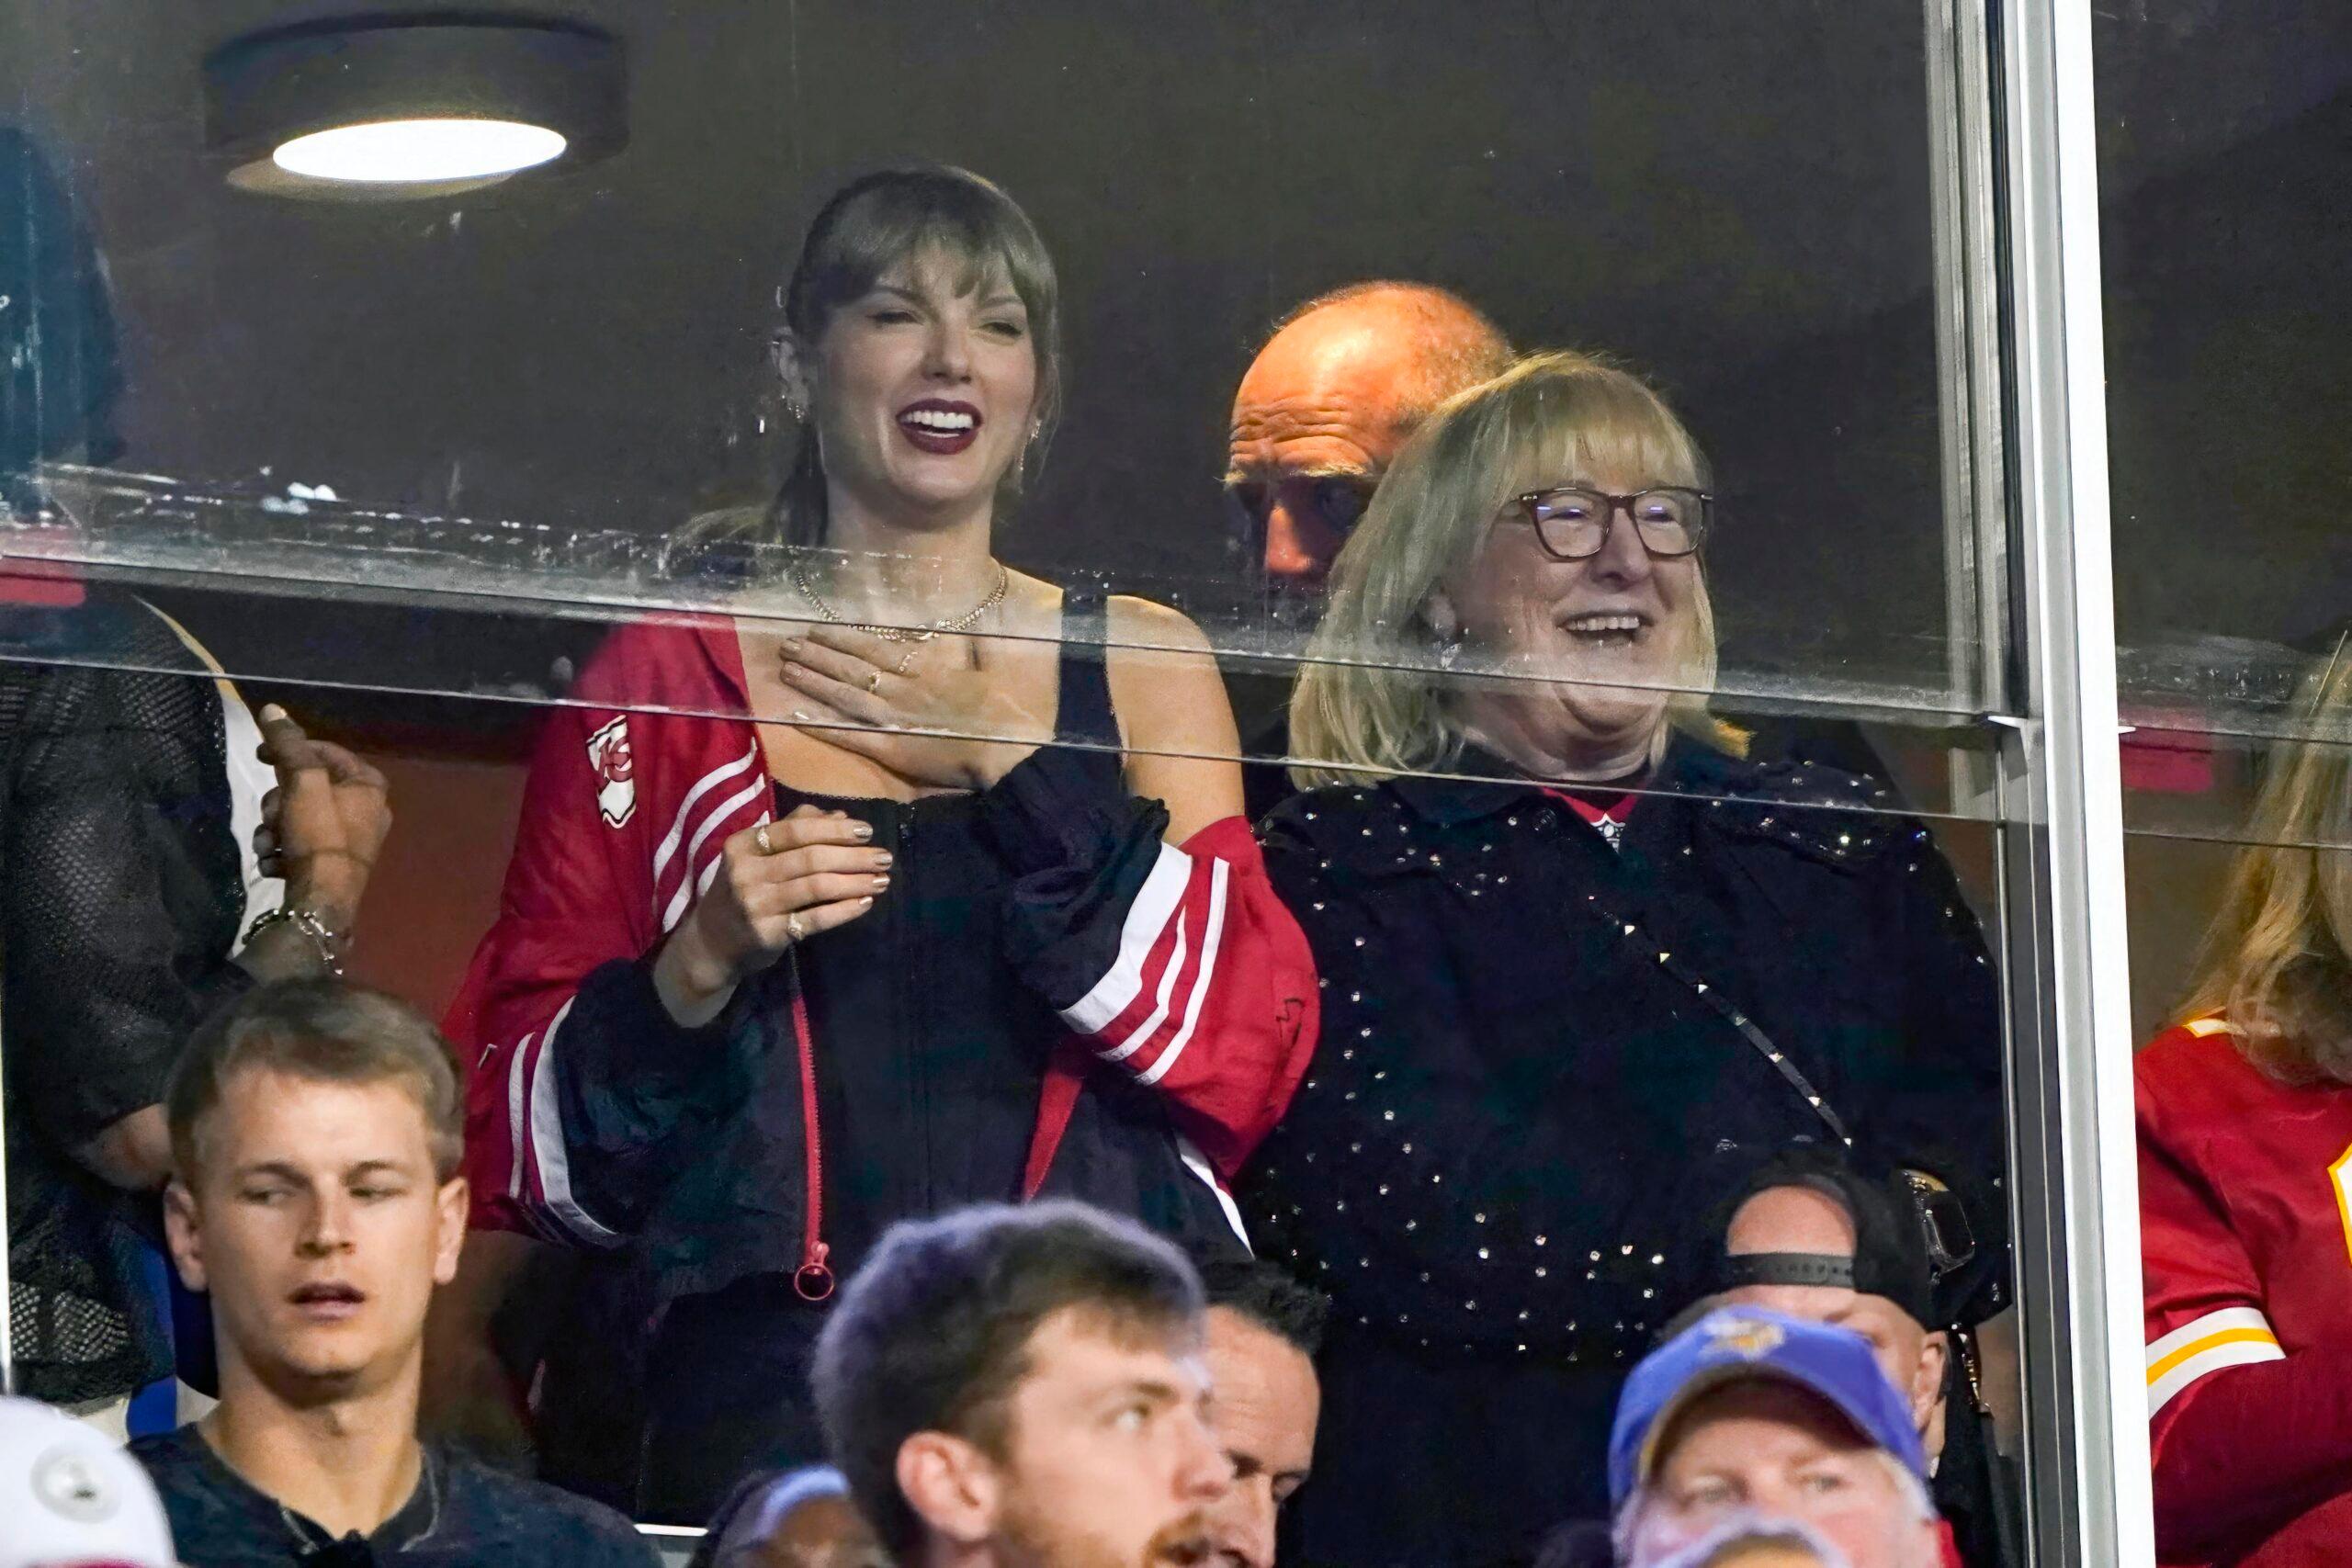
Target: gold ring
column 794, row 931
column 873, row 682
column 760, row 838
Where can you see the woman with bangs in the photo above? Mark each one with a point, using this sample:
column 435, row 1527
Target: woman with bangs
column 956, row 911
column 1581, row 961
column 2245, row 1111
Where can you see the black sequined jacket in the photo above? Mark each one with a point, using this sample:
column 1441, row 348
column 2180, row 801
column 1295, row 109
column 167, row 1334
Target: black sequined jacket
column 1534, row 1043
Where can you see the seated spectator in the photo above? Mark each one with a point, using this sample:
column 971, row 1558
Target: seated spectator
column 315, row 1133
column 70, row 1497
column 2244, row 1112
column 1808, row 1235
column 1751, row 1413
column 791, row 1519
column 1264, row 1331
column 1023, row 1385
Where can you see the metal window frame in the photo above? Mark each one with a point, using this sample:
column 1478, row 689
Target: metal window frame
column 2075, row 1188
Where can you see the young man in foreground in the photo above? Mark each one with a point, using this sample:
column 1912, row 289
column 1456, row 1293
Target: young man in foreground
column 1023, row 1388
column 315, row 1133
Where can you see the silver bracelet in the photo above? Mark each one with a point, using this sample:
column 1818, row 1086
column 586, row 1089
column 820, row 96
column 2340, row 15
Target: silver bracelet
column 309, row 925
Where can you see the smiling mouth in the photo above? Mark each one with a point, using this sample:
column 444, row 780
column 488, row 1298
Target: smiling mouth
column 937, row 426
column 1607, row 629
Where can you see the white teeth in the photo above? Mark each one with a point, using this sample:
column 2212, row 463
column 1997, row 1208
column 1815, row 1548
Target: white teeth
column 1604, row 624
column 938, row 419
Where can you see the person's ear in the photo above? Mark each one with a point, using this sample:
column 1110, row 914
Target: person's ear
column 449, row 1205
column 793, row 374
column 1927, row 1379
column 951, row 1485
column 184, row 1232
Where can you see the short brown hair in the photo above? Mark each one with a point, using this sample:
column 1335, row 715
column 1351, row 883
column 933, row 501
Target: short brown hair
column 325, row 1031
column 933, row 1334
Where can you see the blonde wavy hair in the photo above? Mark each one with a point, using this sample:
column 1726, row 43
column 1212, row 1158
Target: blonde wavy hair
column 1368, row 700
column 2277, row 962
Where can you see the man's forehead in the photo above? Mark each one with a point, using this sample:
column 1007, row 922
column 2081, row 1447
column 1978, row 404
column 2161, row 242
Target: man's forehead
column 1093, row 1347
column 379, row 1120
column 1337, row 353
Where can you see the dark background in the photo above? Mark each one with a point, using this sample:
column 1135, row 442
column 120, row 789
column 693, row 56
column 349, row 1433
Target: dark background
column 1735, row 197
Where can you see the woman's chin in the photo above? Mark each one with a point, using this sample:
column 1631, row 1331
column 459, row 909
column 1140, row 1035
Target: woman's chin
column 1597, row 726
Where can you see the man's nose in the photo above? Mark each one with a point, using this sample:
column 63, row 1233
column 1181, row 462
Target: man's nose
column 1203, row 1473
column 1244, row 1526
column 1298, row 548
column 329, row 1226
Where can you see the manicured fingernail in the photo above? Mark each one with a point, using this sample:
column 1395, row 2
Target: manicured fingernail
column 861, row 832
column 865, row 903
column 882, row 857
column 793, row 645
column 271, row 713
column 881, row 883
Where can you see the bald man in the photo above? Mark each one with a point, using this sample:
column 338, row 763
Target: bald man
column 1345, row 378
column 1343, row 382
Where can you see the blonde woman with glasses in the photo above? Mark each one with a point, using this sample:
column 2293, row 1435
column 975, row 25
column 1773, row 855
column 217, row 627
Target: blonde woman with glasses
column 2246, row 1185
column 1576, row 951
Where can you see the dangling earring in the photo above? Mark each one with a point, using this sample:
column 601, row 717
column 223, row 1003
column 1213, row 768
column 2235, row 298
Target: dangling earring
column 796, row 408
column 1449, row 634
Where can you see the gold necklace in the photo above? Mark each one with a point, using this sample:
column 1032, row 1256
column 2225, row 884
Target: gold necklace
column 963, row 621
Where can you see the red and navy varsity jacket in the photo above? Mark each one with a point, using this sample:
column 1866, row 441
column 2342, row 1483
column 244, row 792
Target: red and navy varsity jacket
column 1179, row 993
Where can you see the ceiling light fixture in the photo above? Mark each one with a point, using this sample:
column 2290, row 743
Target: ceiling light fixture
column 383, row 109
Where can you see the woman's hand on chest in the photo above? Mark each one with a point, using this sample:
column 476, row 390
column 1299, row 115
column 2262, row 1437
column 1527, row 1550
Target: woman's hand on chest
column 946, row 713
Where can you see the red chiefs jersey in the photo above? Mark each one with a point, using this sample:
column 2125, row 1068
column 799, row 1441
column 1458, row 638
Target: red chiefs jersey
column 2245, row 1215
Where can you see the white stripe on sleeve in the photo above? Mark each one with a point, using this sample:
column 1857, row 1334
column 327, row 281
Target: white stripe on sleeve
column 1161, row 898
column 2233, row 1336
column 703, row 785
column 687, row 886
column 1209, row 935
column 547, row 1147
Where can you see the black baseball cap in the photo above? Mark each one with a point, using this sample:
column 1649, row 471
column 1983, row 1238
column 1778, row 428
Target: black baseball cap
column 1890, row 1255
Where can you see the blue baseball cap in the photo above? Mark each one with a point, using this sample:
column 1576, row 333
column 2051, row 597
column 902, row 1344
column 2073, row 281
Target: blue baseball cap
column 1734, row 1343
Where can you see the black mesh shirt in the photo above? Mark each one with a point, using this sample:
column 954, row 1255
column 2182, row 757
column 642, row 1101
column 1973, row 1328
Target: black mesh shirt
column 120, row 893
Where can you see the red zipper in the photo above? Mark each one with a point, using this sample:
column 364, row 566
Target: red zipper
column 813, row 1280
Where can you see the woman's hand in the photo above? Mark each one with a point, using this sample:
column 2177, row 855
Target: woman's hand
column 869, row 693
column 323, row 825
column 777, row 886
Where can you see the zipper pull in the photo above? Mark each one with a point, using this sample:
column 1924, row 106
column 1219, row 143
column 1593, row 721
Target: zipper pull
column 813, row 1280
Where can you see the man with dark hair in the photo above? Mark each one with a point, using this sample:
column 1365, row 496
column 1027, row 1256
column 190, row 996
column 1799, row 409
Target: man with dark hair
column 1023, row 1386
column 1264, row 1328
column 315, row 1131
column 1341, row 382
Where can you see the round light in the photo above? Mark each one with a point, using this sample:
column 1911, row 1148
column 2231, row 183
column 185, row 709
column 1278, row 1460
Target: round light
column 414, row 152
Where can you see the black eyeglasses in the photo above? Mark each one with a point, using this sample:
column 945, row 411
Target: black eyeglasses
column 1573, row 524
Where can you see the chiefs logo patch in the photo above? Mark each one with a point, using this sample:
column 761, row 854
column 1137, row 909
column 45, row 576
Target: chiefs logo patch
column 608, row 753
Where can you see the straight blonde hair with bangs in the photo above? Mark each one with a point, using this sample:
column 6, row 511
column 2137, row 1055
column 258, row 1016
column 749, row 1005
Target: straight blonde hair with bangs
column 1368, row 700
column 2276, row 963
